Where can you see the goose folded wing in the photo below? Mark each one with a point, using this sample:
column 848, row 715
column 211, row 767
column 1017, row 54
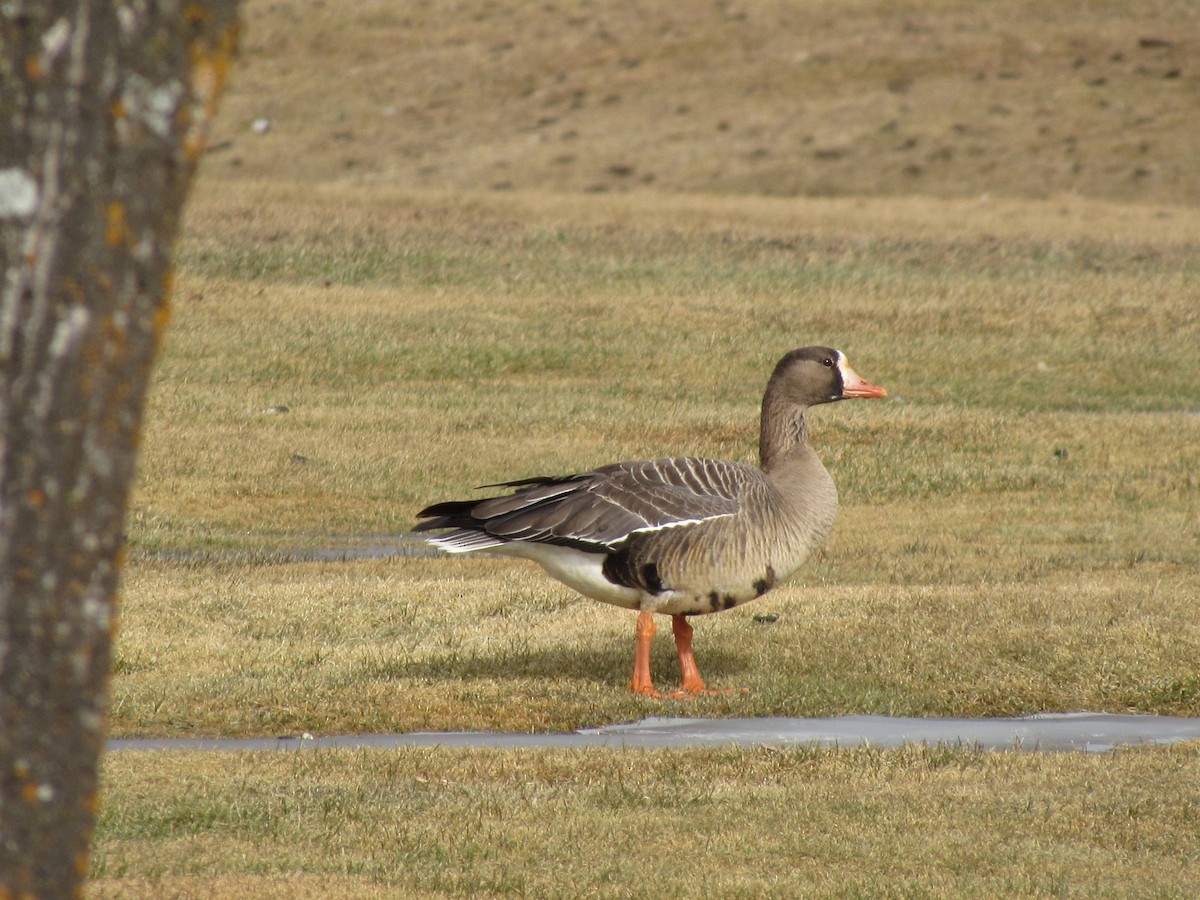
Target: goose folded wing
column 600, row 509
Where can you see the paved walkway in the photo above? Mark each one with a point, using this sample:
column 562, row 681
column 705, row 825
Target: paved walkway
column 1087, row 732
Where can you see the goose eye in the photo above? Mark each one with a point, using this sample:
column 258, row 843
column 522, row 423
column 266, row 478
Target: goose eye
column 827, row 363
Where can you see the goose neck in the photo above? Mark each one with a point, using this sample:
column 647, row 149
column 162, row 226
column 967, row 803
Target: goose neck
column 784, row 434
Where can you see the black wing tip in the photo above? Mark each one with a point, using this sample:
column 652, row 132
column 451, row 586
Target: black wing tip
column 530, row 482
column 458, row 512
column 431, row 525
column 447, row 508
column 475, row 516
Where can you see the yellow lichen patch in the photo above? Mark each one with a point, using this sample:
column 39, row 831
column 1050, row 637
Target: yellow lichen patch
column 72, row 287
column 115, row 231
column 93, row 352
column 193, row 148
column 162, row 315
column 195, row 13
column 113, row 624
column 210, row 73
column 116, row 338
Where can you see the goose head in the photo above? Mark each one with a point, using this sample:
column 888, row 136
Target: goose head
column 812, row 375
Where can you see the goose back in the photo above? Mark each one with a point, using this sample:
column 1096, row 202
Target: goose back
column 681, row 535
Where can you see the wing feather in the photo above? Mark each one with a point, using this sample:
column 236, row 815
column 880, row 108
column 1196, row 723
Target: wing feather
column 596, row 510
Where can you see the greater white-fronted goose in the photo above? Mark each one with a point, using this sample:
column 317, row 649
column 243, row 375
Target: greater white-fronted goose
column 681, row 536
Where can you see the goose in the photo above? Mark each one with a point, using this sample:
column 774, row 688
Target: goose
column 680, row 536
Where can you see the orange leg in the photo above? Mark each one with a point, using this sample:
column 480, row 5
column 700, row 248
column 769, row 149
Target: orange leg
column 641, row 683
column 692, row 682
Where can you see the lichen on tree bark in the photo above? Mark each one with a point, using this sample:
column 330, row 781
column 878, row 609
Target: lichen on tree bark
column 107, row 105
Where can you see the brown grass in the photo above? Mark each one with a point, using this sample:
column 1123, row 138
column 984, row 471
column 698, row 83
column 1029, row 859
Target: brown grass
column 1021, row 508
column 728, row 823
column 949, row 98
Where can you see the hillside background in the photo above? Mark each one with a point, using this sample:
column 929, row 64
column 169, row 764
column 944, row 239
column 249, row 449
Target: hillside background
column 945, row 98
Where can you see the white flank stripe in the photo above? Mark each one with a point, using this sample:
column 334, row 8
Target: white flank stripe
column 680, row 522
column 464, row 543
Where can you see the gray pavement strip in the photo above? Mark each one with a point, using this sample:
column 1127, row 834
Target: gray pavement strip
column 1052, row 732
column 352, row 548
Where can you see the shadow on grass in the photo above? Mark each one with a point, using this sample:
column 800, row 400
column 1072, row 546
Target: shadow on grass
column 605, row 666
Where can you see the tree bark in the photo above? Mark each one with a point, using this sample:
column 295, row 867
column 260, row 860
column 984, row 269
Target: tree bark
column 104, row 107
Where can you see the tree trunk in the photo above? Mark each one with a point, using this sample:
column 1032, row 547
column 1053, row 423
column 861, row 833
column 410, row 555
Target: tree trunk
column 104, row 106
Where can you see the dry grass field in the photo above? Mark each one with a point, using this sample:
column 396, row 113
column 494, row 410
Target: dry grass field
column 862, row 823
column 945, row 98
column 483, row 241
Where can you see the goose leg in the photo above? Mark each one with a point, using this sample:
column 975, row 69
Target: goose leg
column 641, row 683
column 692, row 682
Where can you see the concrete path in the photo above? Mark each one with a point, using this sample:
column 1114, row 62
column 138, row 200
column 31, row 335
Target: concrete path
column 1087, row 732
